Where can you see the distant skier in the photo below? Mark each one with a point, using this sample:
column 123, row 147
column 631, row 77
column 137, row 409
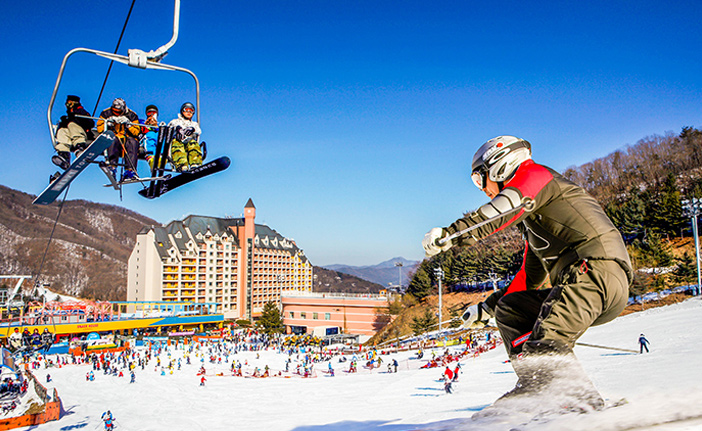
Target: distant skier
column 448, row 374
column 643, row 343
column 447, row 387
column 202, row 381
column 108, row 419
column 570, row 242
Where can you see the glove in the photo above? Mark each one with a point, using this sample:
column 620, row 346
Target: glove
column 476, row 316
column 189, row 131
column 430, row 242
column 121, row 119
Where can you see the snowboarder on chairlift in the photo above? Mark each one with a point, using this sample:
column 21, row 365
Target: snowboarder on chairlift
column 569, row 241
column 185, row 149
column 125, row 124
column 73, row 132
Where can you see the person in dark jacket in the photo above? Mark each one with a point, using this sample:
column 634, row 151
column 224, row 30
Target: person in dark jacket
column 643, row 343
column 72, row 134
column 575, row 271
column 125, row 124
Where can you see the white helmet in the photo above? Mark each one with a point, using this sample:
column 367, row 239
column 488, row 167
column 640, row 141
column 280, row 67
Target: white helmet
column 498, row 159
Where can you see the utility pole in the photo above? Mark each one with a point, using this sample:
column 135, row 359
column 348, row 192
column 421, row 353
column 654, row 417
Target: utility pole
column 439, row 275
column 692, row 209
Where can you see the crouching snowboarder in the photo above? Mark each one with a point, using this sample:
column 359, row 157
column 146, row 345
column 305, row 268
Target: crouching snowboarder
column 569, row 241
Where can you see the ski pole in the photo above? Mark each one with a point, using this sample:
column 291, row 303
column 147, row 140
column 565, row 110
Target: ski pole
column 597, row 346
column 526, row 205
column 106, row 119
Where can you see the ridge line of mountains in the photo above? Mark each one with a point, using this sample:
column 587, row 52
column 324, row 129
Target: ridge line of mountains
column 92, row 242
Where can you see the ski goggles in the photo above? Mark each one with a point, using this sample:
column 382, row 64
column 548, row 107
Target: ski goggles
column 479, row 178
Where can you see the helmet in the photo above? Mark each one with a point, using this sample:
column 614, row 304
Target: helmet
column 119, row 105
column 151, row 108
column 498, row 159
column 186, row 105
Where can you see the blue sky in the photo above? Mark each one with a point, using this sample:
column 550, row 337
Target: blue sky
column 352, row 124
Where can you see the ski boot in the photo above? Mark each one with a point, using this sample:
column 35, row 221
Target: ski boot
column 54, row 177
column 79, row 148
column 128, row 175
column 62, row 159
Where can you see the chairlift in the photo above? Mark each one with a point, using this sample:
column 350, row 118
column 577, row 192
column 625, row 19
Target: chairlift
column 158, row 182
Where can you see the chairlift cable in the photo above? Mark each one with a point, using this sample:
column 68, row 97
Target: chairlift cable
column 97, row 102
column 51, row 236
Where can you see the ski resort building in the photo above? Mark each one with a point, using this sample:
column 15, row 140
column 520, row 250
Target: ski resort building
column 334, row 313
column 233, row 262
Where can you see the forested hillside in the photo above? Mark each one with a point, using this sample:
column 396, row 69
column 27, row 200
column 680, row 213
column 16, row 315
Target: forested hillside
column 640, row 187
column 88, row 254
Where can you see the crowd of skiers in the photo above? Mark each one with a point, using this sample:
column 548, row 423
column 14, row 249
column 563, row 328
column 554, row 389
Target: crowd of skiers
column 135, row 137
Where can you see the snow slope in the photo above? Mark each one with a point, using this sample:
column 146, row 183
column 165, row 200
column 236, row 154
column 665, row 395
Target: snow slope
column 662, row 386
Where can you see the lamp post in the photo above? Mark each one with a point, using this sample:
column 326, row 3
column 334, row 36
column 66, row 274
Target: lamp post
column 439, row 275
column 399, row 266
column 692, row 209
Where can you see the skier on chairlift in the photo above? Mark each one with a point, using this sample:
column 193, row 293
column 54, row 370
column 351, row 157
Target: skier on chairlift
column 125, row 124
column 73, row 132
column 149, row 134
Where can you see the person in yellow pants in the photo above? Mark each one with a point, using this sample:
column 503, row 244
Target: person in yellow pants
column 185, row 151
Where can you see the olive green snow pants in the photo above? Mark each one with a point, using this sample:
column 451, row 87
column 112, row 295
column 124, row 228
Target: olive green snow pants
column 551, row 320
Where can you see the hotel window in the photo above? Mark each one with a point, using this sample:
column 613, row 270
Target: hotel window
column 303, row 315
column 327, row 316
column 315, row 316
column 292, row 314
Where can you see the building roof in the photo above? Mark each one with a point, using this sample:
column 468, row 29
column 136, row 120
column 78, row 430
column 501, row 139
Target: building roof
column 204, row 226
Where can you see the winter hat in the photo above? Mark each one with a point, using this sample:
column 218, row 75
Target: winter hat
column 72, row 99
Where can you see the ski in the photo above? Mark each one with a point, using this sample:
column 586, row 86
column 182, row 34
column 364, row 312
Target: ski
column 117, row 184
column 96, row 148
column 106, row 170
column 166, row 185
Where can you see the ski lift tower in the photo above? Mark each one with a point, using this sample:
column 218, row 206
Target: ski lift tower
column 693, row 208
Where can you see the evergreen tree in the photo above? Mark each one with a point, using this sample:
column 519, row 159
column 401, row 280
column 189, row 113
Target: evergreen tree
column 420, row 285
column 424, row 322
column 271, row 321
column 686, row 271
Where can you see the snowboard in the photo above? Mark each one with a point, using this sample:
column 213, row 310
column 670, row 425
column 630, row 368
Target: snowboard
column 97, row 147
column 158, row 188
